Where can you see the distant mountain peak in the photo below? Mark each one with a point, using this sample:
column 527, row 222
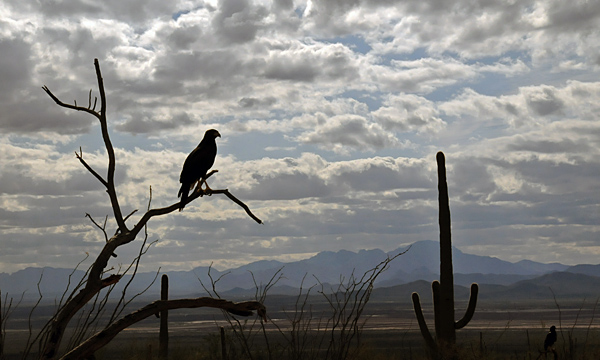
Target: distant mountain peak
column 420, row 262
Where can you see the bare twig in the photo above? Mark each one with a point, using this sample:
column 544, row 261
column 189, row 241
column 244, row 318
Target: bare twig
column 237, row 201
column 88, row 167
column 134, row 211
column 101, row 227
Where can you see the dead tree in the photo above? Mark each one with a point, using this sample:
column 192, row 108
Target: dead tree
column 96, row 277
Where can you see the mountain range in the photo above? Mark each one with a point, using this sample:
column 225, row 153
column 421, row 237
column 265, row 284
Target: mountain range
column 417, row 265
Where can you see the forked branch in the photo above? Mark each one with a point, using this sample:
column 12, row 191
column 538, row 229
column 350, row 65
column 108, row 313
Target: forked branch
column 198, row 192
column 101, row 116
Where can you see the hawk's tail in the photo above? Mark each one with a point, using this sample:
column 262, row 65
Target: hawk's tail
column 183, row 194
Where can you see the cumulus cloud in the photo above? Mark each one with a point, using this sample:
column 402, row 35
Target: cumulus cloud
column 309, row 62
column 421, row 76
column 408, row 112
column 532, row 104
column 342, row 133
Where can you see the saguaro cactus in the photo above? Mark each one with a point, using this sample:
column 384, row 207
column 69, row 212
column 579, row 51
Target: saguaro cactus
column 443, row 290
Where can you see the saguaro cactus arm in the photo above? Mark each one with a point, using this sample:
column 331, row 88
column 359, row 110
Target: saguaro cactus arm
column 470, row 308
column 422, row 324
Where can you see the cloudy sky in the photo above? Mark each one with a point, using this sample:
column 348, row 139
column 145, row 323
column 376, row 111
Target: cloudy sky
column 331, row 113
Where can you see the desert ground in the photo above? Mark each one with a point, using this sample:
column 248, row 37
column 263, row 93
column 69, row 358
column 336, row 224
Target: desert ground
column 498, row 330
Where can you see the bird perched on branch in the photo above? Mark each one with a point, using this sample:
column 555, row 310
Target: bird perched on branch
column 550, row 339
column 198, row 162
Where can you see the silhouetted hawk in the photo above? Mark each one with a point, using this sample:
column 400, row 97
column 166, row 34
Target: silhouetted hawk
column 198, row 162
column 550, row 338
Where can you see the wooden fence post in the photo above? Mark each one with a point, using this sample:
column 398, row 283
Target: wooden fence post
column 223, row 344
column 163, row 337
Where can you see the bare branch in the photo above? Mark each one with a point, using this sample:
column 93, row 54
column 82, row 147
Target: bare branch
column 102, row 338
column 101, row 115
column 110, row 150
column 196, row 194
column 101, row 227
column 89, row 168
column 69, row 106
column 131, row 213
column 237, row 201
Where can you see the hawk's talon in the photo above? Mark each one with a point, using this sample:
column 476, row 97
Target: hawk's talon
column 207, row 191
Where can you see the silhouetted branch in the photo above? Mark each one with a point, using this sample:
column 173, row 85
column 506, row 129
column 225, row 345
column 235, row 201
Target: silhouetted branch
column 89, row 168
column 69, row 106
column 237, row 201
column 196, row 194
column 100, row 115
column 133, row 212
column 101, row 227
column 102, row 338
